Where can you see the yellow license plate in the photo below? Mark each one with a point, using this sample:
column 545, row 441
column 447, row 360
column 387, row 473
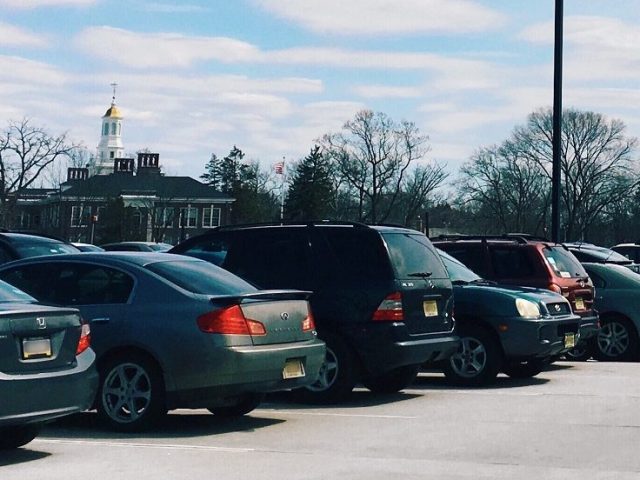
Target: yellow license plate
column 293, row 369
column 579, row 303
column 430, row 308
column 36, row 348
column 569, row 340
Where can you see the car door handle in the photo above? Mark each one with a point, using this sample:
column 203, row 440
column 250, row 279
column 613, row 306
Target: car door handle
column 100, row 320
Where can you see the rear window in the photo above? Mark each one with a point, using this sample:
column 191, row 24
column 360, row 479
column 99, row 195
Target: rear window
column 201, row 277
column 563, row 262
column 9, row 293
column 412, row 255
column 36, row 249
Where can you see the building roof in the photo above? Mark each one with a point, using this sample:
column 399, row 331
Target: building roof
column 150, row 184
column 113, row 112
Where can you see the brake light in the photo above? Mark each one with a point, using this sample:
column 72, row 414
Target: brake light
column 554, row 288
column 308, row 324
column 390, row 309
column 85, row 339
column 229, row 321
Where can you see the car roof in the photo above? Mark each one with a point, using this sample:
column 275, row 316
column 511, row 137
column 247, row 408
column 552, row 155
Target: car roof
column 131, row 258
column 313, row 224
column 21, row 237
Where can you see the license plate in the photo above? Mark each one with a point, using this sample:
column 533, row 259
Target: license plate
column 36, row 348
column 569, row 340
column 293, row 369
column 579, row 303
column 430, row 308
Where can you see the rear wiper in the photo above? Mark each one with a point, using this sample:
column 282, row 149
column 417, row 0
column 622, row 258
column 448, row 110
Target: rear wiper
column 460, row 282
column 421, row 274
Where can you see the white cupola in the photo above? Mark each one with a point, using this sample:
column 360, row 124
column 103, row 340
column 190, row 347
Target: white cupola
column 110, row 146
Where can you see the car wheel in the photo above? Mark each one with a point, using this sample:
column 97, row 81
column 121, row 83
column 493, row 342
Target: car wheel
column 617, row 340
column 527, row 369
column 478, row 359
column 337, row 375
column 18, row 435
column 245, row 404
column 580, row 353
column 131, row 395
column 392, row 381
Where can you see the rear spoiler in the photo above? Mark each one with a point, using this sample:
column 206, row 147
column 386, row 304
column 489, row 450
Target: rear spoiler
column 262, row 295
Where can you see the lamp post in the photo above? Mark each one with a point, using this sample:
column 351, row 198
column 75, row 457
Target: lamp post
column 557, row 123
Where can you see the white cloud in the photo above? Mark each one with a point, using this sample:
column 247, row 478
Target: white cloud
column 29, row 4
column 29, row 73
column 13, row 36
column 387, row 91
column 155, row 7
column 374, row 17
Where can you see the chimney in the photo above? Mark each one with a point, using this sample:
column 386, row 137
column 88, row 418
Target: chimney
column 77, row 173
column 123, row 165
column 148, row 163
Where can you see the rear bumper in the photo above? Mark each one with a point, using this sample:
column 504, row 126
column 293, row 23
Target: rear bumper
column 526, row 338
column 252, row 369
column 39, row 397
column 383, row 347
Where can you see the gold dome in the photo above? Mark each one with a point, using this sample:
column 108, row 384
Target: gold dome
column 113, row 112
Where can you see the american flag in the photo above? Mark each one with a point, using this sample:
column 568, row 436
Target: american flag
column 279, row 168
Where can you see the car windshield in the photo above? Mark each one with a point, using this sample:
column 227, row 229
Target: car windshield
column 36, row 249
column 201, row 277
column 413, row 255
column 458, row 272
column 160, row 247
column 563, row 262
column 593, row 253
column 9, row 293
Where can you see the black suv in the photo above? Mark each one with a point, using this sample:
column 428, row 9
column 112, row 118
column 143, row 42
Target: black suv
column 382, row 299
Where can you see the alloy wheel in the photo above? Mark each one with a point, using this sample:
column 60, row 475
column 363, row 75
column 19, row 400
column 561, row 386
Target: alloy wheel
column 126, row 393
column 613, row 339
column 328, row 373
column 470, row 359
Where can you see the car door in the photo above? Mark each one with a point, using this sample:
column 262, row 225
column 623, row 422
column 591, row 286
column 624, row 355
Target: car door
column 102, row 294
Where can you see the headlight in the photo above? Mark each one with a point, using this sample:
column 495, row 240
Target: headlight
column 527, row 308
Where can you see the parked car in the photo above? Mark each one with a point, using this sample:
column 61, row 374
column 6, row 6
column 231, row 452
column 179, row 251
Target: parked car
column 47, row 368
column 629, row 250
column 136, row 247
column 177, row 332
column 382, row 300
column 516, row 330
column 587, row 252
column 14, row 246
column 516, row 259
column 87, row 247
column 618, row 301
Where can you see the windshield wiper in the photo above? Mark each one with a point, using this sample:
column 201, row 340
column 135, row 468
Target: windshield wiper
column 460, row 282
column 421, row 274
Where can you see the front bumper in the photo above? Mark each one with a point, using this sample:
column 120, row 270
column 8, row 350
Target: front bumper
column 538, row 338
column 589, row 326
column 44, row 396
column 252, row 369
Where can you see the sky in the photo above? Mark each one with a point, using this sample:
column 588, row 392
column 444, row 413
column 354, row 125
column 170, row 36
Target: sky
column 197, row 77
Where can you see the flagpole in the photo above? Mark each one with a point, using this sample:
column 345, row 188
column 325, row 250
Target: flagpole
column 282, row 194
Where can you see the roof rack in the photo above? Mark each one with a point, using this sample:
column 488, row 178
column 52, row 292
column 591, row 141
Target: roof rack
column 307, row 223
column 520, row 238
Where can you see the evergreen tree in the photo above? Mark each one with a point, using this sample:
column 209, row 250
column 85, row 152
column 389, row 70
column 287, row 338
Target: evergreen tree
column 311, row 190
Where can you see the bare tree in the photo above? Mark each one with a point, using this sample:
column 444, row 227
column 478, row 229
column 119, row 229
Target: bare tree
column 372, row 154
column 418, row 187
column 25, row 153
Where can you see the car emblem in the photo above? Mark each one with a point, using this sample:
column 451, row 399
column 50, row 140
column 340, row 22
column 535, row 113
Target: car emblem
column 42, row 322
column 581, row 283
column 284, row 316
column 557, row 307
column 430, row 283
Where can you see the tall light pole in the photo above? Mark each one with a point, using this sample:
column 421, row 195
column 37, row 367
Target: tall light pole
column 557, row 123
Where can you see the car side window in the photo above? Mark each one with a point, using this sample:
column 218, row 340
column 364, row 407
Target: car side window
column 511, row 262
column 36, row 280
column 472, row 256
column 213, row 250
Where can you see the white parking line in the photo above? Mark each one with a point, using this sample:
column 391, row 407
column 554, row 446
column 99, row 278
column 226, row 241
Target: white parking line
column 325, row 414
column 169, row 446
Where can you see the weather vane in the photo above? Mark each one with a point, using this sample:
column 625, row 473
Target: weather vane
column 113, row 99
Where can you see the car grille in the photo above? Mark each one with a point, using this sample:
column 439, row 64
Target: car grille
column 561, row 308
column 567, row 328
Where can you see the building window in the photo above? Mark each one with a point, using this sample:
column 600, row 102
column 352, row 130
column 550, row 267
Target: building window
column 113, row 128
column 105, row 130
column 163, row 216
column 210, row 217
column 119, row 128
column 189, row 217
column 111, row 154
column 79, row 215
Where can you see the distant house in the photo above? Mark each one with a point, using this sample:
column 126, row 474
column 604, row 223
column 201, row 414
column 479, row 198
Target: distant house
column 128, row 204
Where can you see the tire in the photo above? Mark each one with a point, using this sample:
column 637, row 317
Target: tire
column 580, row 353
column 18, row 436
column 392, row 381
column 617, row 340
column 131, row 395
column 337, row 377
column 527, row 369
column 246, row 404
column 478, row 359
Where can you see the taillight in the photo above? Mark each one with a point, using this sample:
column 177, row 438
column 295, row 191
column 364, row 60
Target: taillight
column 554, row 288
column 229, row 321
column 85, row 339
column 308, row 324
column 390, row 309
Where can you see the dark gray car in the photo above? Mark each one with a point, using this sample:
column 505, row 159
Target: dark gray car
column 47, row 369
column 172, row 331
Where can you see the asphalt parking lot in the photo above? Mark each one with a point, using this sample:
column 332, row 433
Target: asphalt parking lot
column 576, row 420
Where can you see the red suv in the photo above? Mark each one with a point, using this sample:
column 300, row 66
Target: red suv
column 528, row 261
